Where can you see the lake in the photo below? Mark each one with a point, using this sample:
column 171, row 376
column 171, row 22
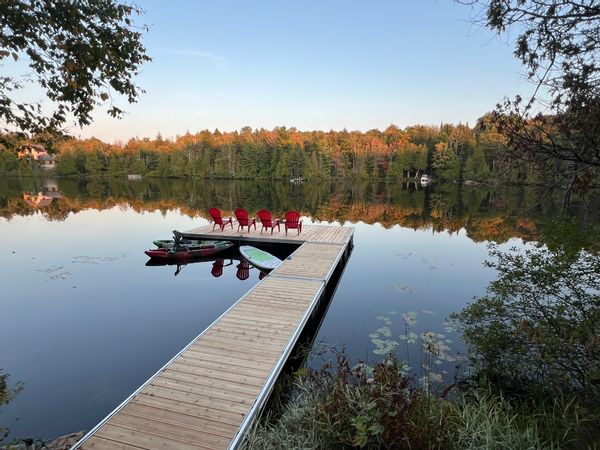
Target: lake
column 84, row 321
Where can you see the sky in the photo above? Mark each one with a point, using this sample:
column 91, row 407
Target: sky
column 312, row 65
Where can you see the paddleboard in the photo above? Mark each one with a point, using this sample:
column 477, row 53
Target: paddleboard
column 259, row 258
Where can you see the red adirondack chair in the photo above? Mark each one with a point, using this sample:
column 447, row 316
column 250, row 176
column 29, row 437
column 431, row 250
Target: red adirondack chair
column 243, row 221
column 267, row 221
column 292, row 221
column 217, row 217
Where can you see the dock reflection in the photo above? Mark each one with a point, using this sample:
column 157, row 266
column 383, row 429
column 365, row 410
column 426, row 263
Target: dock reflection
column 216, row 265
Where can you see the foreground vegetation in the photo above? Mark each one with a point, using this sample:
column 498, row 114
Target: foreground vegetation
column 380, row 407
column 533, row 379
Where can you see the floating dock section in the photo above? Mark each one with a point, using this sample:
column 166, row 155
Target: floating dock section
column 208, row 394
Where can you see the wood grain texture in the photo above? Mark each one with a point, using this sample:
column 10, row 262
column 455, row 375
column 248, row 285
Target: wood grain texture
column 327, row 234
column 200, row 399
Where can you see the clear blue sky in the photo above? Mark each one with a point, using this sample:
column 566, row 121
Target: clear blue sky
column 312, row 65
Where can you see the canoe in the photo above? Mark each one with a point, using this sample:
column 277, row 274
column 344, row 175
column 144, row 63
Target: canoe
column 187, row 252
column 259, row 258
column 170, row 243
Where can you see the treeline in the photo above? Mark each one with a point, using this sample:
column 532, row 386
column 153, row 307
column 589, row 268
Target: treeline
column 446, row 152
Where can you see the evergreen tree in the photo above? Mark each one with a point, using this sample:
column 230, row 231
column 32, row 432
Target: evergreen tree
column 476, row 167
column 446, row 163
column 94, row 165
column 66, row 165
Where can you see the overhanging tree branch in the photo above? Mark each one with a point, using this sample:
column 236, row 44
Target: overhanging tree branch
column 80, row 52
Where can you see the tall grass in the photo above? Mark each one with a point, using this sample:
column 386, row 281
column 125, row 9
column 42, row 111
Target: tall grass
column 488, row 421
column 379, row 408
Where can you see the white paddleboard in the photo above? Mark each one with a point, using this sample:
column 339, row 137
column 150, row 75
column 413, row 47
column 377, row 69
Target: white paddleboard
column 259, row 258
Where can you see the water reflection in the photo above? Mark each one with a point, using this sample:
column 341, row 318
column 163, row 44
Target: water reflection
column 216, row 266
column 485, row 212
column 38, row 200
column 7, row 394
column 88, row 322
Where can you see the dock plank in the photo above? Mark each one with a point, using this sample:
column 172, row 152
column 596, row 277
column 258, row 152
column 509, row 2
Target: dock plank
column 142, row 438
column 170, row 417
column 204, row 397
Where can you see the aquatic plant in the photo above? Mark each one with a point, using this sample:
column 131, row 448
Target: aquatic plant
column 432, row 348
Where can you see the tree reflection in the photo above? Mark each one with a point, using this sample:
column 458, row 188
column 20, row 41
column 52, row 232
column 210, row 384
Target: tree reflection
column 493, row 213
column 7, row 394
column 538, row 327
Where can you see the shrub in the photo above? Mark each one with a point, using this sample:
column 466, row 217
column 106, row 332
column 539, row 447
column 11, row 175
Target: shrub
column 360, row 406
column 538, row 329
column 378, row 408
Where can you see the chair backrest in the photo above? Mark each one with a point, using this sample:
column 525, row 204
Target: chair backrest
column 215, row 215
column 265, row 216
column 241, row 215
column 292, row 218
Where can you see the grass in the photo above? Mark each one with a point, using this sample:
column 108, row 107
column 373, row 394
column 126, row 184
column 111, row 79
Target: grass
column 489, row 421
column 379, row 407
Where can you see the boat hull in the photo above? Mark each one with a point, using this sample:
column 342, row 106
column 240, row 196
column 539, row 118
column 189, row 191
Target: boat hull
column 186, row 253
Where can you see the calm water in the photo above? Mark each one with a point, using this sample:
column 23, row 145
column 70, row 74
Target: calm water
column 84, row 321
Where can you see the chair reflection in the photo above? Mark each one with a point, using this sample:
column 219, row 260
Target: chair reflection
column 217, row 267
column 243, row 270
column 243, row 267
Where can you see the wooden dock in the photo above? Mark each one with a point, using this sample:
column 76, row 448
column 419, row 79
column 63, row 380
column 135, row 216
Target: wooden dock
column 208, row 394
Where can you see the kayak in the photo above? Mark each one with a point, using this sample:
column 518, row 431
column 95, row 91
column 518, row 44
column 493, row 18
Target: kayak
column 187, row 252
column 170, row 243
column 259, row 258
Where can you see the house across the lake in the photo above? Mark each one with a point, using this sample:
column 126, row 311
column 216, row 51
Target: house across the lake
column 38, row 154
column 50, row 188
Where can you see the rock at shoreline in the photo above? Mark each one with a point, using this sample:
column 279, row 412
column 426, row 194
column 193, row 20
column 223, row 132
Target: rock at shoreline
column 62, row 443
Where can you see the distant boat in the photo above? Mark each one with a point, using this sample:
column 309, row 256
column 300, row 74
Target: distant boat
column 296, row 180
column 424, row 179
column 134, row 177
column 259, row 258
